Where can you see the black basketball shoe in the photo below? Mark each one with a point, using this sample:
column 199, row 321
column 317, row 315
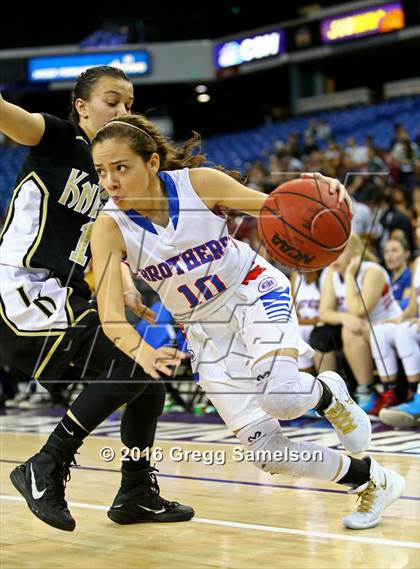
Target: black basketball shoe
column 42, row 479
column 138, row 500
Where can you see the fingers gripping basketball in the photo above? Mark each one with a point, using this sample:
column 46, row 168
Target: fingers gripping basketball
column 303, row 226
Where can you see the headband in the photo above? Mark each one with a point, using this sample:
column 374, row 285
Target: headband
column 132, row 126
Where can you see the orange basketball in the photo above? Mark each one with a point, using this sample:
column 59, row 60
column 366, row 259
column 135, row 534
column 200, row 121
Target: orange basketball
column 303, row 226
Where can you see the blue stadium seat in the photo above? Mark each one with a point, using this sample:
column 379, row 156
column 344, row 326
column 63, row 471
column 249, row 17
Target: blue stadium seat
column 359, row 121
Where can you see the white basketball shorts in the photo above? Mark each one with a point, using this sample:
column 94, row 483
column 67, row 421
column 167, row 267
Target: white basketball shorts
column 259, row 318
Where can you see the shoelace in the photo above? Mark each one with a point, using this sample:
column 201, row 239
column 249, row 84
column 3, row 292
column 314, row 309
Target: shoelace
column 153, row 487
column 341, row 418
column 366, row 497
column 154, row 490
column 60, row 476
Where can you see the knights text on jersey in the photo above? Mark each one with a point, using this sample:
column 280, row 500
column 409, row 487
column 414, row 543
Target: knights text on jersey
column 193, row 263
column 54, row 204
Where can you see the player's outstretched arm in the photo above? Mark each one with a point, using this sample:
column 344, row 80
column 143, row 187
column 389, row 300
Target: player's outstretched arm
column 20, row 125
column 216, row 188
column 107, row 248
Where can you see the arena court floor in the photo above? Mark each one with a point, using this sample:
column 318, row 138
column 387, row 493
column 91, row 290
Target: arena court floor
column 244, row 518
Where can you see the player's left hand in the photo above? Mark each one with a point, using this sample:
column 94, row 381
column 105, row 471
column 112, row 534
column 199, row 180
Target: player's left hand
column 133, row 300
column 334, row 186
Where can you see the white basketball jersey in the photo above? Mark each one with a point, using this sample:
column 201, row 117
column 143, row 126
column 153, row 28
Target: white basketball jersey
column 386, row 307
column 307, row 298
column 193, row 263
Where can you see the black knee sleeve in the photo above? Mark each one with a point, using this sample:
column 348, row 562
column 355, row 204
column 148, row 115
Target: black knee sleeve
column 122, row 382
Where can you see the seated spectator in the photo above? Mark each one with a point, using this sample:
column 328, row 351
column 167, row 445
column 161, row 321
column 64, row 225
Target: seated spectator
column 375, row 163
column 357, row 293
column 396, row 256
column 306, row 293
column 405, row 341
column 414, row 180
column 256, row 176
column 388, row 218
column 357, row 154
column 404, row 151
column 401, row 202
column 323, row 131
column 362, row 218
column 309, row 136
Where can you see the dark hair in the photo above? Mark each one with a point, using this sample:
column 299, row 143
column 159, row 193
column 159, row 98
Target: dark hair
column 149, row 139
column 86, row 82
column 401, row 240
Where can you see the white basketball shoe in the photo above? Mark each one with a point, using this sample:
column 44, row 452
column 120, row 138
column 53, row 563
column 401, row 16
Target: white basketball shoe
column 350, row 422
column 384, row 487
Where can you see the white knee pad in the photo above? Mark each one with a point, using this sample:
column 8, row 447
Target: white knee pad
column 285, row 393
column 407, row 340
column 382, row 345
column 270, row 450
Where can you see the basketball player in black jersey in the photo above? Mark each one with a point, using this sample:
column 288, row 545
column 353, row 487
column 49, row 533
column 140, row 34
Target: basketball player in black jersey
column 46, row 320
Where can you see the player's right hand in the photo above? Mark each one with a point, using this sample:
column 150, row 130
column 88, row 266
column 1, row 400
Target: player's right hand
column 158, row 361
column 353, row 323
column 133, row 300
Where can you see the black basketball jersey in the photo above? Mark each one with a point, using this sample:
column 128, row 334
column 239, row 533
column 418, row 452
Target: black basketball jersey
column 54, row 205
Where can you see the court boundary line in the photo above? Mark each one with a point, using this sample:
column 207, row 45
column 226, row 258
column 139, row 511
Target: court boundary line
column 258, row 527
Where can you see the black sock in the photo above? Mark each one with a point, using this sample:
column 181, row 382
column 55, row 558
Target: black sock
column 389, row 385
column 358, row 472
column 326, row 398
column 69, row 429
column 130, row 465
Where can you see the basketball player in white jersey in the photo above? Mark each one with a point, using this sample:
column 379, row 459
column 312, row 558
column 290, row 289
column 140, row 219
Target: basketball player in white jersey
column 358, row 294
column 236, row 308
column 406, row 342
column 306, row 298
column 306, row 289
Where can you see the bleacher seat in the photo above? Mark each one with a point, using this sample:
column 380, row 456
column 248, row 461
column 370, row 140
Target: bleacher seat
column 237, row 150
